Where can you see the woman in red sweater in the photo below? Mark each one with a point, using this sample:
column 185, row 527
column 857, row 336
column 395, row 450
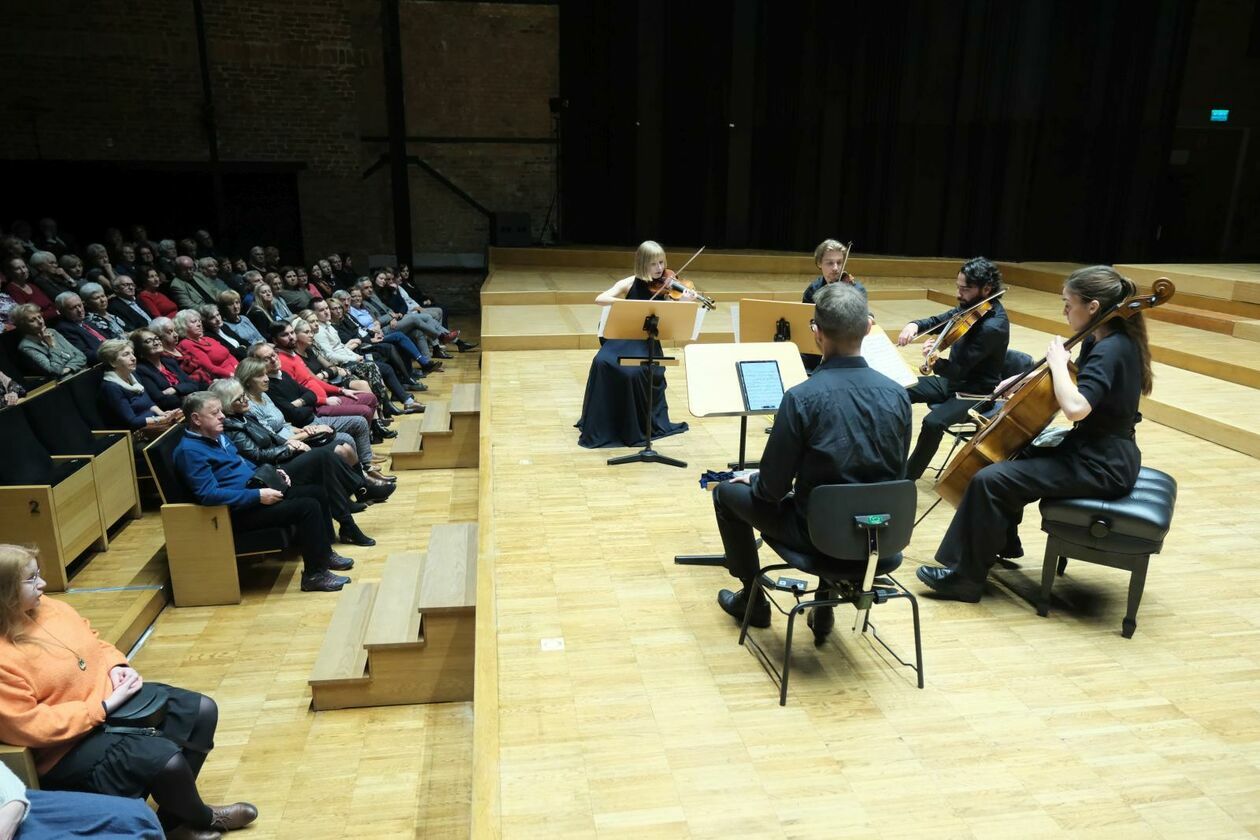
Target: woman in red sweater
column 204, row 359
column 152, row 298
column 59, row 683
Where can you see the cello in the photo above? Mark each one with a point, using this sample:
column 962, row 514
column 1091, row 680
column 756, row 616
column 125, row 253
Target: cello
column 1031, row 405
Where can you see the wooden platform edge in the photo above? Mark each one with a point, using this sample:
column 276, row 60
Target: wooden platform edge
column 486, row 818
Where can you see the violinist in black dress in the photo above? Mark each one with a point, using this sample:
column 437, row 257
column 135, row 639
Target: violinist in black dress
column 974, row 365
column 1098, row 458
column 616, row 402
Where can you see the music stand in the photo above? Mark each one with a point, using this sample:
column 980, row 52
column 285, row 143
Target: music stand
column 713, row 391
column 777, row 320
column 633, row 319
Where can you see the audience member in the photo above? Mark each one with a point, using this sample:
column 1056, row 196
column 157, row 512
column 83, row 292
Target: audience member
column 420, row 328
column 126, row 305
column 190, row 289
column 46, row 274
column 330, row 345
column 268, row 309
column 332, row 401
column 166, row 257
column 34, row 814
column 62, row 683
column 217, row 475
column 230, row 308
column 203, row 358
column 294, row 293
column 49, row 238
column 98, row 265
column 74, row 326
column 44, row 350
column 10, row 390
column 216, row 330
column 162, row 377
column 72, row 266
column 22, row 290
column 96, row 305
column 357, row 311
column 153, row 298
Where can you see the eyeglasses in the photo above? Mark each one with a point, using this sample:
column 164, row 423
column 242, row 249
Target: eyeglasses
column 34, row 579
column 152, row 340
column 241, row 399
column 811, row 322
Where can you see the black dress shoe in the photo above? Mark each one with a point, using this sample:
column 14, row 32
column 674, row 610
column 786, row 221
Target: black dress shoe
column 947, row 583
column 413, row 407
column 464, row 346
column 351, row 534
column 821, row 620
column 432, row 367
column 357, row 507
column 736, row 603
column 377, row 428
column 323, row 581
column 439, row 353
column 416, row 386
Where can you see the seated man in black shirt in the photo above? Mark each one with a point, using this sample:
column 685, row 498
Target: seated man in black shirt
column 974, row 365
column 846, row 424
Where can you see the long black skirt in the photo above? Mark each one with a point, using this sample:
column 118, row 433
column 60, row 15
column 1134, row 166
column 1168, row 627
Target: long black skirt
column 118, row 764
column 616, row 402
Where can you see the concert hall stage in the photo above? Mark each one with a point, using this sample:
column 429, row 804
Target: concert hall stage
column 612, row 698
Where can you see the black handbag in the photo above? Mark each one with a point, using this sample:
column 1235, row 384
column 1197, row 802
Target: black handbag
column 267, row 476
column 319, row 439
column 145, row 708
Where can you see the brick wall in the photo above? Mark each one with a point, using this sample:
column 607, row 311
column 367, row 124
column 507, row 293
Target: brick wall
column 295, row 81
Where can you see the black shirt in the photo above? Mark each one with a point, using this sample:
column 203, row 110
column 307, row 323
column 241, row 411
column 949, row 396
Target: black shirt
column 1109, row 377
column 820, row 281
column 975, row 361
column 284, row 390
column 846, row 424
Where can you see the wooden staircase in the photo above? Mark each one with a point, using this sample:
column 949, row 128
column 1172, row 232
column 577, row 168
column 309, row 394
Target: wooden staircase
column 444, row 437
column 408, row 639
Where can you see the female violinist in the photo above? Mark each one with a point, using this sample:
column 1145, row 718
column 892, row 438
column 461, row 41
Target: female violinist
column 616, row 395
column 1098, row 458
column 974, row 365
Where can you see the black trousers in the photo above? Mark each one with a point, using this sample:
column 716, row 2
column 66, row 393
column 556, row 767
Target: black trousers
column 946, row 411
column 739, row 511
column 306, row 508
column 987, row 521
column 322, row 466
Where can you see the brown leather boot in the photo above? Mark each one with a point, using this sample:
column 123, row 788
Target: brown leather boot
column 234, row 816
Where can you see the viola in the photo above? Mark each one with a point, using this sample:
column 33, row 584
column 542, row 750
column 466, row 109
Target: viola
column 956, row 328
column 1031, row 405
column 670, row 286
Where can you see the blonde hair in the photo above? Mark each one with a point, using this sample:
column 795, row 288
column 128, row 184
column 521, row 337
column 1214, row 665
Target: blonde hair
column 648, row 253
column 828, row 245
column 13, row 562
column 111, row 349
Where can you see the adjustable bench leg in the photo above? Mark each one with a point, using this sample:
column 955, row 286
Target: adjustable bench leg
column 1137, row 582
column 1047, row 577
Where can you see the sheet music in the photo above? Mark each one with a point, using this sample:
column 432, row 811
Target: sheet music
column 603, row 319
column 882, row 355
column 695, row 334
column 735, row 320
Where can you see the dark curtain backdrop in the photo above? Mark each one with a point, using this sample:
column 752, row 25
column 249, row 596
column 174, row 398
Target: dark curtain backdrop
column 1022, row 130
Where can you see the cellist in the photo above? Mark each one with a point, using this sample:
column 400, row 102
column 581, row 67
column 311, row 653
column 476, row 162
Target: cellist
column 974, row 365
column 1098, row 458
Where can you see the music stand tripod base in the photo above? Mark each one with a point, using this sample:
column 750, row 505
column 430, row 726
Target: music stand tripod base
column 647, row 456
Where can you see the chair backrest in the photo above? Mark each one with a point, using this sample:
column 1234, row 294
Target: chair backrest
column 1016, row 362
column 161, row 457
column 86, row 387
column 54, row 416
column 832, row 508
column 25, row 461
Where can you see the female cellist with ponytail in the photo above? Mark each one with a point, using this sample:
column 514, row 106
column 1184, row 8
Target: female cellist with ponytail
column 1097, row 458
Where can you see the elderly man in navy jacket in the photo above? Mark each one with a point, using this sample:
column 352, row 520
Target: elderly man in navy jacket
column 217, row 475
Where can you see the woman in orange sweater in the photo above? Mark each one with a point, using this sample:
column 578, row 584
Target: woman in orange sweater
column 58, row 684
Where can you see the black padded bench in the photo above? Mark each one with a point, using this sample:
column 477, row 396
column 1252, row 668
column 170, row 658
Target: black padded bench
column 1121, row 533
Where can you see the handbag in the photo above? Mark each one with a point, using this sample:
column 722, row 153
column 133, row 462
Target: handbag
column 267, row 476
column 145, row 708
column 319, row 439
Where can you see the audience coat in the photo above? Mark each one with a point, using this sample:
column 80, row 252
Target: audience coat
column 130, row 312
column 155, row 382
column 51, row 361
column 82, row 335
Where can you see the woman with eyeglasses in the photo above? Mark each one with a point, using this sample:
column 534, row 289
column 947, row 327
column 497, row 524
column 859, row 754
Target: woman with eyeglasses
column 123, row 399
column 161, row 375
column 61, row 686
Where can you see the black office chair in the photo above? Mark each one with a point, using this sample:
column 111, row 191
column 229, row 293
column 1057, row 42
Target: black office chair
column 1015, row 363
column 858, row 532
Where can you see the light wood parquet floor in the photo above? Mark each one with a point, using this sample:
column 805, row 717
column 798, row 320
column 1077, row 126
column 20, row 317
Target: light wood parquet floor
column 653, row 722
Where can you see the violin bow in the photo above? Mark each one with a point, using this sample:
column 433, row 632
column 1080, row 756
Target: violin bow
column 962, row 313
column 679, row 271
column 848, row 249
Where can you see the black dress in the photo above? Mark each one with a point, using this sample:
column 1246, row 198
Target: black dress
column 615, row 404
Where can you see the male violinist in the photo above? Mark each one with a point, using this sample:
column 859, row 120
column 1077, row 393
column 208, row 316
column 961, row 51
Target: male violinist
column 846, row 424
column 974, row 365
column 830, row 257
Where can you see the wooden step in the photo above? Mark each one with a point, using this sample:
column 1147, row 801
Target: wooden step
column 466, row 398
column 395, row 620
column 436, row 419
column 342, row 657
column 449, row 581
column 409, row 434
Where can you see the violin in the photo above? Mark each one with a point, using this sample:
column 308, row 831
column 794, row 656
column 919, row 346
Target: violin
column 669, row 286
column 956, row 328
column 1031, row 405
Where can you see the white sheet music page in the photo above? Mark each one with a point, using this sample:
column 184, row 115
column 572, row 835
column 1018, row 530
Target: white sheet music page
column 603, row 319
column 882, row 355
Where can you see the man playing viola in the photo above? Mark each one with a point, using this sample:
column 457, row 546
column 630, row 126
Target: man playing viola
column 974, row 365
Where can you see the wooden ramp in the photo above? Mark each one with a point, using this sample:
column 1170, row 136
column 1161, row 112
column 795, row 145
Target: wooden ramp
column 408, row 639
column 444, row 437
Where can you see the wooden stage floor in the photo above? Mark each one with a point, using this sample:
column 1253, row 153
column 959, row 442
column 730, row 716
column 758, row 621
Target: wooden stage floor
column 652, row 721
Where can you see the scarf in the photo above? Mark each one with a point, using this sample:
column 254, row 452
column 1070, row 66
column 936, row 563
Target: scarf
column 132, row 387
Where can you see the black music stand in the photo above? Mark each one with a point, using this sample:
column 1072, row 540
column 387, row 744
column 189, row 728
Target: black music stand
column 629, row 319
